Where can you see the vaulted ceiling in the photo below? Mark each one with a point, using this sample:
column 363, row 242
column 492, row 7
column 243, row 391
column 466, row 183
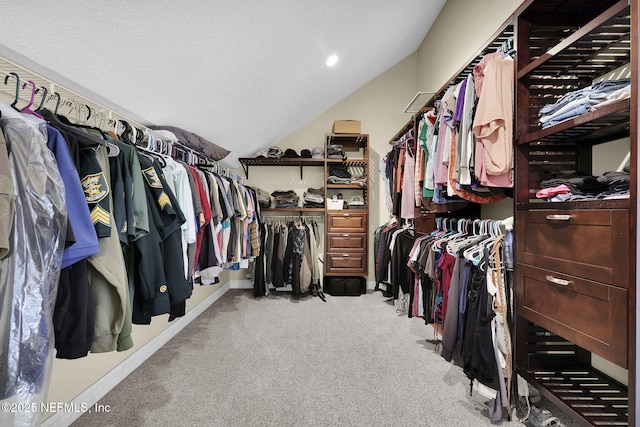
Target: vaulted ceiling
column 242, row 74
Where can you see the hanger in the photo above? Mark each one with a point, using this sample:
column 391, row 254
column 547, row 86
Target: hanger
column 75, row 106
column 139, row 136
column 33, row 93
column 151, row 149
column 506, row 45
column 57, row 103
column 114, row 150
column 26, row 108
column 476, row 253
column 132, row 135
column 64, row 123
column 447, row 224
column 80, row 119
column 88, row 113
column 156, row 156
column 44, row 97
column 127, row 133
column 102, row 118
column 462, row 238
column 15, row 101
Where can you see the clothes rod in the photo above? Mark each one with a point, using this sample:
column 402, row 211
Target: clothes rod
column 267, row 216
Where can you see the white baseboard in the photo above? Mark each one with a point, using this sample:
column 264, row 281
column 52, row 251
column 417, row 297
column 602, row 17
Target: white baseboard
column 246, row 284
column 99, row 389
column 241, row 284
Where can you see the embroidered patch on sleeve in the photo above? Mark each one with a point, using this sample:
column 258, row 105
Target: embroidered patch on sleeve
column 95, row 187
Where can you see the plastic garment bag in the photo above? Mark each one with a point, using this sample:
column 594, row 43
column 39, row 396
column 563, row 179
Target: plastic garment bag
column 29, row 273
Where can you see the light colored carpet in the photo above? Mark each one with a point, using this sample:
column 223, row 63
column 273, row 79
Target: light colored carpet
column 286, row 361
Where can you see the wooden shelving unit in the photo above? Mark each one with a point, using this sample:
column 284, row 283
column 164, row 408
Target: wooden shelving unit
column 563, row 47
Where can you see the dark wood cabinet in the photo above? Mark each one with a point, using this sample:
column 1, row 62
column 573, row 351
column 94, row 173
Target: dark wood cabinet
column 342, row 242
column 591, row 244
column 346, row 244
column 588, row 313
column 575, row 268
column 346, row 264
column 342, row 221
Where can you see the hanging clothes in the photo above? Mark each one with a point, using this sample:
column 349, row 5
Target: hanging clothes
column 493, row 125
column 461, row 287
column 30, row 271
column 107, row 271
column 6, row 199
column 409, row 185
column 74, row 313
column 167, row 218
column 464, row 147
column 85, row 221
column 288, row 258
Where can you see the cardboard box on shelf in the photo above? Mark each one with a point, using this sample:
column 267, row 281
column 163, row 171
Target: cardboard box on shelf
column 346, row 126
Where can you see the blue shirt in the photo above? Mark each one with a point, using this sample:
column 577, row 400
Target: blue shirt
column 86, row 240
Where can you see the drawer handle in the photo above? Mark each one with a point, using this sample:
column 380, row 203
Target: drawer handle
column 346, row 236
column 346, row 215
column 557, row 281
column 558, row 217
column 345, row 255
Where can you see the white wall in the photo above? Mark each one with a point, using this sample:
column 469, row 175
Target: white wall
column 457, row 36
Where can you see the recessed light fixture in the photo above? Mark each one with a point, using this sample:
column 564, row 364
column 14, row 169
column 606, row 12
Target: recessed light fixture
column 332, row 60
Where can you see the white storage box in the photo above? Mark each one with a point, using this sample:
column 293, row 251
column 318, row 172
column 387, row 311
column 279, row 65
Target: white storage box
column 335, row 204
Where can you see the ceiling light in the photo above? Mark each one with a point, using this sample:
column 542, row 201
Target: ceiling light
column 332, row 60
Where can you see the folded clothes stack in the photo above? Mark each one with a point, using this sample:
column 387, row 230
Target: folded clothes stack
column 285, row 199
column 358, row 177
column 339, row 174
column 359, row 180
column 263, row 198
column 583, row 100
column 335, row 151
column 314, row 198
column 564, row 187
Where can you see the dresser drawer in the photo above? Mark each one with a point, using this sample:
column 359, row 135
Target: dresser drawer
column 592, row 244
column 347, row 222
column 345, row 263
column 592, row 315
column 346, row 242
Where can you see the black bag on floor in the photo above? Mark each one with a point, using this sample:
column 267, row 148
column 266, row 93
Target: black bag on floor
column 345, row 286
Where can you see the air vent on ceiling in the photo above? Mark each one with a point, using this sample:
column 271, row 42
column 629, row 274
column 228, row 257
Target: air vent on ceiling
column 418, row 101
